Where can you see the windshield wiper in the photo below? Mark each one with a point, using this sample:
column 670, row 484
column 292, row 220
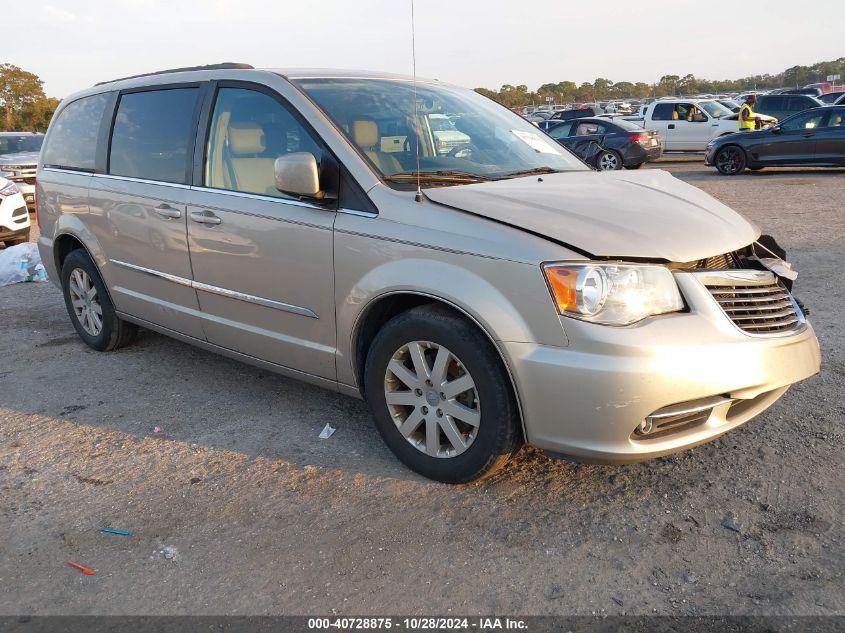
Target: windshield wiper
column 443, row 175
column 529, row 172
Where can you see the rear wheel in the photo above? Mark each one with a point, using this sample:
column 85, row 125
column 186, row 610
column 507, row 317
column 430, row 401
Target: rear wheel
column 730, row 160
column 440, row 396
column 608, row 160
column 89, row 306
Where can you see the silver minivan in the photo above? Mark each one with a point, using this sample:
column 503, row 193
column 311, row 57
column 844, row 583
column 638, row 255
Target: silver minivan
column 478, row 296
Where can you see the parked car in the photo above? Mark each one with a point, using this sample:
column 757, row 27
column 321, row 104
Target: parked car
column 567, row 115
column 832, row 97
column 446, row 135
column 814, row 137
column 19, row 160
column 840, row 100
column 784, row 105
column 810, row 91
column 686, row 125
column 730, row 104
column 518, row 297
column 14, row 218
column 609, row 145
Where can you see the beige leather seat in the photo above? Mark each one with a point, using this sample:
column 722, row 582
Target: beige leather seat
column 249, row 171
column 365, row 135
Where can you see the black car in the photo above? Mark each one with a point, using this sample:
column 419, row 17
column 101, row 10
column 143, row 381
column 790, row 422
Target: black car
column 567, row 115
column 608, row 145
column 832, row 97
column 784, row 105
column 814, row 137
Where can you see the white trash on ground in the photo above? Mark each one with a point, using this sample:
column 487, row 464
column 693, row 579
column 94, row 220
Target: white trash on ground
column 327, row 431
column 21, row 263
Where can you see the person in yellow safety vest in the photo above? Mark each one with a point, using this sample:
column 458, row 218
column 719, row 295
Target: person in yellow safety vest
column 747, row 120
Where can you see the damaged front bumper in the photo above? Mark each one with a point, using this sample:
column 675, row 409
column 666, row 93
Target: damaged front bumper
column 625, row 394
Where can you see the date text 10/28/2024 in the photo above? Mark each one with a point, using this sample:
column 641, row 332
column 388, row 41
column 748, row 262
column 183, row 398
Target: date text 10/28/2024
column 418, row 624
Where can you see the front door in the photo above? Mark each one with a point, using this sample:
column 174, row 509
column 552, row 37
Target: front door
column 830, row 139
column 795, row 143
column 262, row 261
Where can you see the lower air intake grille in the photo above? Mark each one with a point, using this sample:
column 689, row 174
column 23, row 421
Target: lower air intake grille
column 756, row 306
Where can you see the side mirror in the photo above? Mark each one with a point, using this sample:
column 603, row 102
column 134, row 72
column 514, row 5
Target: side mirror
column 777, row 129
column 297, row 174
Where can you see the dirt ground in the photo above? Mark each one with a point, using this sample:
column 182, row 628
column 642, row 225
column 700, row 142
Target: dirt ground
column 236, row 507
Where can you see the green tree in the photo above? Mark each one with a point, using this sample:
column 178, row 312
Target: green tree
column 23, row 104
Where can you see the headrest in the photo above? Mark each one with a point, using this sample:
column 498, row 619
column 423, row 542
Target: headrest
column 365, row 133
column 246, row 138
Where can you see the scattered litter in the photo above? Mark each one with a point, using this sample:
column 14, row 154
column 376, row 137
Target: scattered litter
column 108, row 530
column 168, row 552
column 157, row 429
column 327, row 432
column 85, row 570
column 21, row 263
column 730, row 522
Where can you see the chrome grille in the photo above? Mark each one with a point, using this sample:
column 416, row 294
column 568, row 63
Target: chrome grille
column 755, row 301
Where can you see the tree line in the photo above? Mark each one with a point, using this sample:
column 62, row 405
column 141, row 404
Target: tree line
column 23, row 105
column 669, row 85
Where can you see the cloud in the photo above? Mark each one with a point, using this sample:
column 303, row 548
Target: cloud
column 58, row 16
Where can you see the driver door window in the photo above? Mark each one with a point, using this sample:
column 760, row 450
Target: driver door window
column 249, row 130
column 803, row 122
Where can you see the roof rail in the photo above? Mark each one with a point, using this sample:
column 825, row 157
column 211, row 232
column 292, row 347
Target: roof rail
column 223, row 66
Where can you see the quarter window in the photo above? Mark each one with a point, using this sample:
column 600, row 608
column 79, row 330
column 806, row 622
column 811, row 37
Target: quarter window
column 664, row 112
column 72, row 141
column 153, row 135
column 249, row 130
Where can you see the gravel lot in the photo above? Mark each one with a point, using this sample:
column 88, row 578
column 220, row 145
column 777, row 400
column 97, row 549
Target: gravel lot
column 237, row 508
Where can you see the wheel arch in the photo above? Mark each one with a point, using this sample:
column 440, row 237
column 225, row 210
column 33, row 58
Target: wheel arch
column 390, row 304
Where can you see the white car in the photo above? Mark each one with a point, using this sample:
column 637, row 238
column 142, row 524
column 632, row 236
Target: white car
column 686, row 125
column 14, row 217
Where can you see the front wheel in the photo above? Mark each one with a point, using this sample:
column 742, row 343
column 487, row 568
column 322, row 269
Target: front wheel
column 440, row 396
column 89, row 305
column 730, row 160
column 608, row 160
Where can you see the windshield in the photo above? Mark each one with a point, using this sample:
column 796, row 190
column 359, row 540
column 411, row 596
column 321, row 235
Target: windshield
column 12, row 144
column 378, row 116
column 714, row 109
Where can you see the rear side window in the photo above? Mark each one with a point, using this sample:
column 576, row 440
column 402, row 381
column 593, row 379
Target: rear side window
column 663, row 112
column 799, row 103
column 153, row 135
column 771, row 103
column 72, row 140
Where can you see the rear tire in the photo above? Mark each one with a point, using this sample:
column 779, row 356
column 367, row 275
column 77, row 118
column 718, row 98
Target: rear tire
column 608, row 160
column 441, row 398
column 730, row 160
column 89, row 305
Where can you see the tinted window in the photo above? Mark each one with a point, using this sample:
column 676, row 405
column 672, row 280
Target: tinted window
column 663, row 112
column 153, row 134
column 807, row 121
column 249, row 130
column 796, row 104
column 562, row 130
column 771, row 103
column 587, row 128
column 72, row 139
column 12, row 144
column 837, row 119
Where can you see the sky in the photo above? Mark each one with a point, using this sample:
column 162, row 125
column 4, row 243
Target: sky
column 474, row 43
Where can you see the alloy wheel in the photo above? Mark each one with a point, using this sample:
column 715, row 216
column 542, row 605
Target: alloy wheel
column 85, row 302
column 432, row 399
column 608, row 162
column 729, row 160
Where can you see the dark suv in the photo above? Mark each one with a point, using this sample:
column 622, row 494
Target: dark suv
column 782, row 106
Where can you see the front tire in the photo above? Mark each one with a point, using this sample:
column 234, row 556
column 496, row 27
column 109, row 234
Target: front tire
column 441, row 398
column 730, row 160
column 89, row 305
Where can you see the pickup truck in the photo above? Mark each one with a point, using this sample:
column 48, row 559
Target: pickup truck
column 686, row 125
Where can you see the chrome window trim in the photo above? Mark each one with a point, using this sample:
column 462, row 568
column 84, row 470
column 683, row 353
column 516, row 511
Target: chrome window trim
column 62, row 170
column 143, row 181
column 256, row 196
column 363, row 214
column 223, row 292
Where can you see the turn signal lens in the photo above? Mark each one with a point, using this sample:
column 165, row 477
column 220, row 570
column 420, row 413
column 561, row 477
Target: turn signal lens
column 562, row 282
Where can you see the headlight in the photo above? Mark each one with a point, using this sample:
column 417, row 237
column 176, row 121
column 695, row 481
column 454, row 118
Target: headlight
column 8, row 190
column 612, row 294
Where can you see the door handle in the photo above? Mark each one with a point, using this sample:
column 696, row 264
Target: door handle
column 205, row 217
column 164, row 210
column 808, row 134
column 671, row 126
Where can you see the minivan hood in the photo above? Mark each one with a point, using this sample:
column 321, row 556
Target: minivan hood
column 645, row 214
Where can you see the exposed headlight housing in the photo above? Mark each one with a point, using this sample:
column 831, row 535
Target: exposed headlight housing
column 8, row 189
column 612, row 294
